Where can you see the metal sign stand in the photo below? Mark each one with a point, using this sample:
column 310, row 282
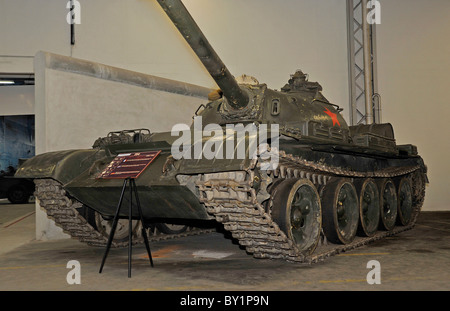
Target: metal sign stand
column 132, row 185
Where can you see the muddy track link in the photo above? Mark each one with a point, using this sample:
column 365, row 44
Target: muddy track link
column 231, row 198
column 63, row 210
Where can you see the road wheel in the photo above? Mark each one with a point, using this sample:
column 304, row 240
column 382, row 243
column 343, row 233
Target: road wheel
column 404, row 204
column 369, row 207
column 171, row 228
column 104, row 225
column 388, row 204
column 340, row 211
column 297, row 211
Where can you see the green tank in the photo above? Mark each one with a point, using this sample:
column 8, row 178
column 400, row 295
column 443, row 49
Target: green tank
column 281, row 170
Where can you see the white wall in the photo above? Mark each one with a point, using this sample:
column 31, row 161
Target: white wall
column 84, row 107
column 414, row 76
column 264, row 38
column 28, row 26
column 267, row 39
column 17, row 100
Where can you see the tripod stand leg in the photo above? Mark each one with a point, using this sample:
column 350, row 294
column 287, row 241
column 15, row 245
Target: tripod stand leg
column 144, row 234
column 130, row 225
column 113, row 228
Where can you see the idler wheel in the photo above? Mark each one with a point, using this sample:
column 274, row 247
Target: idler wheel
column 404, row 204
column 388, row 204
column 340, row 211
column 297, row 211
column 369, row 207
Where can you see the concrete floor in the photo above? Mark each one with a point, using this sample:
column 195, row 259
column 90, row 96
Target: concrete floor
column 417, row 259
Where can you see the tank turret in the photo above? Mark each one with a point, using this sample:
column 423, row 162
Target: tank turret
column 299, row 108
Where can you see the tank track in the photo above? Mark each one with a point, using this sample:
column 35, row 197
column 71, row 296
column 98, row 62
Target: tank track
column 63, row 210
column 232, row 198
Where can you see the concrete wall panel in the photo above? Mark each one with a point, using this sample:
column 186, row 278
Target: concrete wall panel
column 78, row 101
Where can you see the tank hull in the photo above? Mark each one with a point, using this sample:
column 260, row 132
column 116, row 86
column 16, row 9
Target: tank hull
column 172, row 193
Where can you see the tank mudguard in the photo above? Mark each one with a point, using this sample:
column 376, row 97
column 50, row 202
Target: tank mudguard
column 62, row 166
column 212, row 166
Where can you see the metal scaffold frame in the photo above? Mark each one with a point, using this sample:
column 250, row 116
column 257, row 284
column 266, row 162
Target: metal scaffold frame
column 365, row 102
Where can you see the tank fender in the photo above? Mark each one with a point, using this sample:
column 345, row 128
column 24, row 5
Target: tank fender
column 62, row 166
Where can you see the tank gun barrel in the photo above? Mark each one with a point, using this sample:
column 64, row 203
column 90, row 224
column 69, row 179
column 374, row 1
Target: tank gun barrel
column 237, row 98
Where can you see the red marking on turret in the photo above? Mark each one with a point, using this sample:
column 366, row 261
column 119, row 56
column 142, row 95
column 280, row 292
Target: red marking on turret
column 333, row 117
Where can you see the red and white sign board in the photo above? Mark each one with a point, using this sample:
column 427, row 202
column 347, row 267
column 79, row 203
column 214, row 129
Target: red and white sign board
column 129, row 165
